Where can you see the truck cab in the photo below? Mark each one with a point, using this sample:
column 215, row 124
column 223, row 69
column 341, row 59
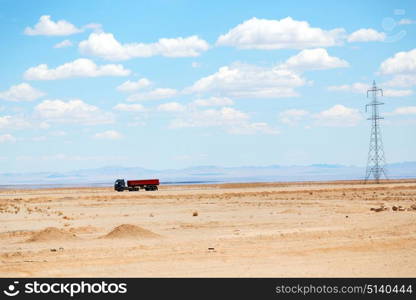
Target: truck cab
column 120, row 185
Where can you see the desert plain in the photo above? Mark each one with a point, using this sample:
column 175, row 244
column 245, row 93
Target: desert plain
column 309, row 229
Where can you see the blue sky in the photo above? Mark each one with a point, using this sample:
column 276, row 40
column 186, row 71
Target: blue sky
column 173, row 84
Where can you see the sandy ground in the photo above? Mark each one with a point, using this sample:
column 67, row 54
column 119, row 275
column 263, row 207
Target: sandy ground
column 240, row 230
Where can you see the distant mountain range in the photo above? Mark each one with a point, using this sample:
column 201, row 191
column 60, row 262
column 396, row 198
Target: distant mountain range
column 204, row 174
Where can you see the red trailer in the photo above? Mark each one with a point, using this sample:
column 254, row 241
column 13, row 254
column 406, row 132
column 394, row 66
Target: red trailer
column 136, row 185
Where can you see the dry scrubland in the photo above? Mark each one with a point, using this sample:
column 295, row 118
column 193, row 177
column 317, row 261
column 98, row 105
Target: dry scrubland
column 269, row 229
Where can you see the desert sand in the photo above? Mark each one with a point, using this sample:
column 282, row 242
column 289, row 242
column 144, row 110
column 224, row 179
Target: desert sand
column 321, row 229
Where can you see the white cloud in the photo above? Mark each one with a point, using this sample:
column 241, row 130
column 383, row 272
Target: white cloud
column 129, row 107
column 44, row 125
column 108, row 135
column 13, row 122
column 249, row 81
column 7, row 138
column 136, row 122
column 292, row 116
column 403, row 66
column 401, row 63
column 156, row 94
column 94, row 27
column 21, row 92
column 406, row 110
column 63, row 44
column 407, row 80
column 406, row 22
column 106, row 46
column 361, row 88
column 73, row 111
column 358, row 87
column 81, row 67
column 46, row 26
column 314, row 59
column 397, row 93
column 366, row 35
column 171, row 107
column 338, row 116
column 207, row 118
column 232, row 120
column 214, row 101
column 286, row 33
column 129, row 86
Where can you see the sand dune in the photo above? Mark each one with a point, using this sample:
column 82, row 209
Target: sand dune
column 129, row 231
column 51, row 234
column 309, row 229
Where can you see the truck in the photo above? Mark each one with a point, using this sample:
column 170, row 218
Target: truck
column 136, row 185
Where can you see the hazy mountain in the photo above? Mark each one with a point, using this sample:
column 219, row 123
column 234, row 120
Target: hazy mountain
column 107, row 175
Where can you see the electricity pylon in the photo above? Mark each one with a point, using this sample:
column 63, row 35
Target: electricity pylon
column 376, row 160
